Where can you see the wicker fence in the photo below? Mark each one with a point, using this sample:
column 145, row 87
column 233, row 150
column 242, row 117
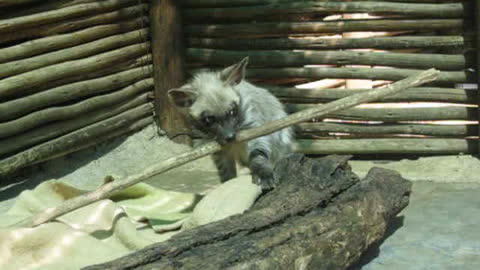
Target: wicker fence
column 291, row 43
column 73, row 73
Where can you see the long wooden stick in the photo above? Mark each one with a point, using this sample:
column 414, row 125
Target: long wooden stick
column 108, row 189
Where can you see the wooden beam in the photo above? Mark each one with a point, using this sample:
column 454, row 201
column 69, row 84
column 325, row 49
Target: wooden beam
column 387, row 146
column 168, row 65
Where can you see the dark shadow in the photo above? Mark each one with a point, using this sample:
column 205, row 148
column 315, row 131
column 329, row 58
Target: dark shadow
column 374, row 250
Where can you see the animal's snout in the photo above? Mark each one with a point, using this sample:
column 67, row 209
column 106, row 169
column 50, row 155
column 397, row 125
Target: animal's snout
column 230, row 137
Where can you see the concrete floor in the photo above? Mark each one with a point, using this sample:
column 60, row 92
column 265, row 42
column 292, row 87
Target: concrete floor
column 438, row 230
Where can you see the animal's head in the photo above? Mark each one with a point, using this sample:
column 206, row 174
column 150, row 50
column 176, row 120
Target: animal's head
column 211, row 101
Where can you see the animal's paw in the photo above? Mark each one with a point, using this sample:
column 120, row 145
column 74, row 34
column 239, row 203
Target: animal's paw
column 265, row 179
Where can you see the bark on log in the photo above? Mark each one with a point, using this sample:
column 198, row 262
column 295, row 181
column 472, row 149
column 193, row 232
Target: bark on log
column 72, row 92
column 321, row 43
column 276, row 58
column 236, row 3
column 48, row 115
column 74, row 141
column 20, row 23
column 319, row 129
column 74, row 53
column 144, row 62
column 398, row 114
column 209, row 148
column 299, row 225
column 387, row 146
column 19, row 85
column 425, row 94
column 57, row 42
column 47, row 132
column 283, row 29
column 75, row 24
column 436, row 11
column 355, row 73
column 168, row 65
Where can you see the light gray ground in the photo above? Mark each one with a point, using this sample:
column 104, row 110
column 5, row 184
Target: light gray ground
column 438, row 230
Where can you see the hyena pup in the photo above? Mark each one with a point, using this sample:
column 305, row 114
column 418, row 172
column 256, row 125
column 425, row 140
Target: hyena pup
column 220, row 104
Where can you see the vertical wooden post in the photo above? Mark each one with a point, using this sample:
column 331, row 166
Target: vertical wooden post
column 168, row 65
column 477, row 47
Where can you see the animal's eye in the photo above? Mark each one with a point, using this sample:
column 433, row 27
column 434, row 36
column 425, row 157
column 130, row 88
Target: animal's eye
column 233, row 111
column 208, row 120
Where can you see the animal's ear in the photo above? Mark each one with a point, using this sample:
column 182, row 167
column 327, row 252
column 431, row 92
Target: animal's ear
column 233, row 75
column 182, row 97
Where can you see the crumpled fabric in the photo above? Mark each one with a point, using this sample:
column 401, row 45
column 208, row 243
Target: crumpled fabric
column 130, row 220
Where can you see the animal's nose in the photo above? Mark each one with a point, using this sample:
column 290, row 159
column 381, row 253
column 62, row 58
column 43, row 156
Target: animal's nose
column 230, row 137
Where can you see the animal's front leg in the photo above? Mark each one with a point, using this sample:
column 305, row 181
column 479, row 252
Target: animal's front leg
column 225, row 165
column 260, row 164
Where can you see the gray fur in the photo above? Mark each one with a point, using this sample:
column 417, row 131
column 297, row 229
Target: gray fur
column 212, row 94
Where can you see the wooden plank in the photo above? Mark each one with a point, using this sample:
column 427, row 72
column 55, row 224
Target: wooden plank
column 275, row 58
column 256, row 13
column 425, row 94
column 322, row 43
column 314, row 129
column 399, row 114
column 168, row 65
column 271, row 29
column 386, row 146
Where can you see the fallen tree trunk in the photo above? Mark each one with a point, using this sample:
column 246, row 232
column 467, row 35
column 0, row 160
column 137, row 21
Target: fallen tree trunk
column 57, row 42
column 48, row 115
column 284, row 29
column 209, row 148
column 437, row 10
column 74, row 24
column 319, row 217
column 275, row 58
column 321, row 43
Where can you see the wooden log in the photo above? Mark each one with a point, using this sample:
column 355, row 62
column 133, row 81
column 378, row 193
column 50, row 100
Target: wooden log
column 15, row 24
column 72, row 92
column 74, row 141
column 295, row 224
column 399, row 114
column 209, row 148
column 282, row 29
column 426, row 94
column 29, row 9
column 321, row 43
column 168, row 65
column 387, row 146
column 313, row 129
column 354, row 73
column 48, row 115
column 74, row 24
column 19, row 85
column 57, row 42
column 275, row 58
column 50, row 131
column 143, row 61
column 240, row 3
column 255, row 13
column 74, row 53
